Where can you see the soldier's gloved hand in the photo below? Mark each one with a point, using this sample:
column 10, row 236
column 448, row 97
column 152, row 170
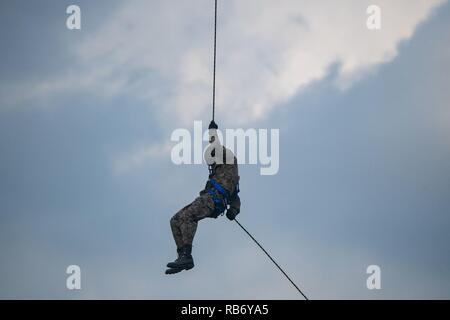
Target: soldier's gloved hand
column 232, row 213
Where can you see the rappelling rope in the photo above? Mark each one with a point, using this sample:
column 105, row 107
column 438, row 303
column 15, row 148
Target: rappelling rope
column 214, row 68
column 213, row 112
column 296, row 287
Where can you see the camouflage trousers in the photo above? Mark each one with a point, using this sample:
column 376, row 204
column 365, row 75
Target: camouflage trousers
column 184, row 222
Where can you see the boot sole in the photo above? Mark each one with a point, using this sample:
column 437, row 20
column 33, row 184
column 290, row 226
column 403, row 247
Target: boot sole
column 173, row 265
column 177, row 270
column 173, row 271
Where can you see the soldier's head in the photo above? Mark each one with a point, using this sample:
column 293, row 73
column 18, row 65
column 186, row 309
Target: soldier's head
column 214, row 150
column 212, row 130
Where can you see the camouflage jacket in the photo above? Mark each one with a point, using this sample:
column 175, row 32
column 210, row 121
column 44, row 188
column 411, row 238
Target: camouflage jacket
column 227, row 175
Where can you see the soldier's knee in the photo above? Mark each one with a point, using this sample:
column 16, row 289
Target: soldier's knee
column 185, row 216
column 174, row 220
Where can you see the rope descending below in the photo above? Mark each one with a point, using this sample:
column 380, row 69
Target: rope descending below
column 296, row 287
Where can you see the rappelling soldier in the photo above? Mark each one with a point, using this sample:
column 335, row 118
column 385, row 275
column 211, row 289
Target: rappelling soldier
column 219, row 195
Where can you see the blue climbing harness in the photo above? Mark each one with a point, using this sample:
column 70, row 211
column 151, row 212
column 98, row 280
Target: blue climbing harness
column 220, row 205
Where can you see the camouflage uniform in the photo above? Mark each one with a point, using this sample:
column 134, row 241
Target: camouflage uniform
column 184, row 222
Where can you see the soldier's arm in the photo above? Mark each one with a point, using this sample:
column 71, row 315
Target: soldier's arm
column 235, row 207
column 235, row 204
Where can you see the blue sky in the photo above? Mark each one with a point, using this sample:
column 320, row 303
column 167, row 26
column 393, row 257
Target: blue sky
column 364, row 148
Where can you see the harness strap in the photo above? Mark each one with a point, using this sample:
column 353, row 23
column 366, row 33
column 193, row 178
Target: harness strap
column 219, row 188
column 221, row 204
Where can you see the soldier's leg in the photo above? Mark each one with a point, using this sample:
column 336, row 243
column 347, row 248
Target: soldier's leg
column 183, row 230
column 185, row 224
column 201, row 208
column 175, row 223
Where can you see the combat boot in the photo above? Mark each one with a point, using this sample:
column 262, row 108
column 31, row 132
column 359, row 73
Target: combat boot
column 184, row 260
column 179, row 251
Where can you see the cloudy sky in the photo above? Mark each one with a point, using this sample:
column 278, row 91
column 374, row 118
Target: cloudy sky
column 86, row 176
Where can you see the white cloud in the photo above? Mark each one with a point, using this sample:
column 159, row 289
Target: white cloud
column 135, row 159
column 161, row 51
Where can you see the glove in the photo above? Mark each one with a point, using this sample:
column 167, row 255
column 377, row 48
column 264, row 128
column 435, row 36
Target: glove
column 232, row 213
